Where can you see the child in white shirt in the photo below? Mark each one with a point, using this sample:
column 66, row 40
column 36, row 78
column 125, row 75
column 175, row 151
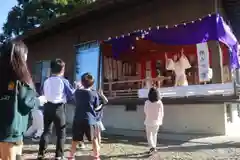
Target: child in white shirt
column 154, row 113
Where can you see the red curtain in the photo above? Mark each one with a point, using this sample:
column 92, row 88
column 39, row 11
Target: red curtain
column 153, row 57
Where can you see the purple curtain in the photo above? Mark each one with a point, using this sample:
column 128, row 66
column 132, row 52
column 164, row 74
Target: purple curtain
column 211, row 27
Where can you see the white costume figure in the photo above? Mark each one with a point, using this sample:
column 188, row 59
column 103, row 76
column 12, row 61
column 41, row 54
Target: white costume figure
column 36, row 129
column 178, row 66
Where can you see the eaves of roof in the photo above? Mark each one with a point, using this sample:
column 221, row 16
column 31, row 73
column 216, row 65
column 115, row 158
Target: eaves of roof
column 101, row 7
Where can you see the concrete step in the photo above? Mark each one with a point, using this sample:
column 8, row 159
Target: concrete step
column 195, row 138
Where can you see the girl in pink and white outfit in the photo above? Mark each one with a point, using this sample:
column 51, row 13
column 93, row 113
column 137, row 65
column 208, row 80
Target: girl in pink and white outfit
column 154, row 113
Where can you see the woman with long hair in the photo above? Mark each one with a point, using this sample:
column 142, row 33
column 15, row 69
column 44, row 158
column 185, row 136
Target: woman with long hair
column 154, row 113
column 17, row 98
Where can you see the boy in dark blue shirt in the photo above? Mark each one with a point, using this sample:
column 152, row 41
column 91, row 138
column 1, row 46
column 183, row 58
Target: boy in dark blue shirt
column 99, row 113
column 86, row 117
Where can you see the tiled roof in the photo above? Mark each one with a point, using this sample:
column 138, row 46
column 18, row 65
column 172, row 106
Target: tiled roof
column 99, row 6
column 232, row 9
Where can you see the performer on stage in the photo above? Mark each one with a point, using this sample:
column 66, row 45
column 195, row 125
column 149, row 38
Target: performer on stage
column 179, row 64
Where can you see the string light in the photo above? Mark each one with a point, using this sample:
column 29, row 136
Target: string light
column 158, row 27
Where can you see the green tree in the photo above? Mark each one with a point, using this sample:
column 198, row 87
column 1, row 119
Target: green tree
column 3, row 38
column 29, row 14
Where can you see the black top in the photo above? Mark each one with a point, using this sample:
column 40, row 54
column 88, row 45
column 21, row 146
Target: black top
column 86, row 102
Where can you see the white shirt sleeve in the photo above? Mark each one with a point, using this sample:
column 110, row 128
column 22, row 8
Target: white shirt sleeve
column 161, row 109
column 184, row 62
column 45, row 86
column 170, row 65
column 145, row 107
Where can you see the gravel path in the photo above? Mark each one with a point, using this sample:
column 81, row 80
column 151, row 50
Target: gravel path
column 124, row 148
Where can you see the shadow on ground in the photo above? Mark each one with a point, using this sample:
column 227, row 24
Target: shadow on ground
column 174, row 147
column 165, row 146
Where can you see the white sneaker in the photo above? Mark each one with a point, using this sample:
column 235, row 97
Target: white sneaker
column 36, row 139
column 60, row 158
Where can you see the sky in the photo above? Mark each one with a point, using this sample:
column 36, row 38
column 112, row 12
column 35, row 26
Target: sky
column 4, row 9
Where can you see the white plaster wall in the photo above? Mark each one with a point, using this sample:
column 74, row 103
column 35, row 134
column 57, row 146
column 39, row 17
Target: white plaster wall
column 200, row 119
column 117, row 117
column 189, row 119
column 233, row 126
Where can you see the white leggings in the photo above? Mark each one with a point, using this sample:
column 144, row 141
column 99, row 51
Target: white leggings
column 152, row 132
column 36, row 129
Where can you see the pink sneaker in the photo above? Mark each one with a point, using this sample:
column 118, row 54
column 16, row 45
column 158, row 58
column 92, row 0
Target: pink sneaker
column 96, row 156
column 71, row 157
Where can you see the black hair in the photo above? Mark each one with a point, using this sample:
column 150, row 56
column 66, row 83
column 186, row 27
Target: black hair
column 87, row 80
column 57, row 66
column 13, row 64
column 153, row 95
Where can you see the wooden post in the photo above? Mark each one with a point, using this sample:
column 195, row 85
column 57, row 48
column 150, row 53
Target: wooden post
column 110, row 88
column 217, row 61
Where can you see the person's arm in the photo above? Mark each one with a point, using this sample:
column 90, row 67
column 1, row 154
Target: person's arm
column 103, row 97
column 99, row 108
column 97, row 105
column 161, row 109
column 169, row 63
column 184, row 61
column 145, row 108
column 68, row 89
column 27, row 98
column 96, row 101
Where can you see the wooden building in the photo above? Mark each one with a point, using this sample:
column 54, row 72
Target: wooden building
column 97, row 22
